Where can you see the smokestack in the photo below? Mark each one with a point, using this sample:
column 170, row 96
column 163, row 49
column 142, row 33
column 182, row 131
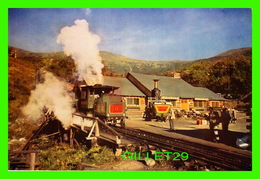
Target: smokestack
column 155, row 83
column 156, row 93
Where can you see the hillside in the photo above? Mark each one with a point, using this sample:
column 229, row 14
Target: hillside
column 247, row 52
column 114, row 64
column 21, row 80
column 228, row 73
column 118, row 65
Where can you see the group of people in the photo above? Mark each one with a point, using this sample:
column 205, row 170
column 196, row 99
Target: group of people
column 223, row 116
column 215, row 117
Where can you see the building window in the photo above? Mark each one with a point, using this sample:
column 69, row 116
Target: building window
column 215, row 104
column 198, row 104
column 174, row 103
column 132, row 101
column 129, row 101
column 135, row 101
column 83, row 94
column 184, row 101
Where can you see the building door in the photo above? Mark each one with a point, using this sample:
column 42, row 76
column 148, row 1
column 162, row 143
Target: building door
column 185, row 104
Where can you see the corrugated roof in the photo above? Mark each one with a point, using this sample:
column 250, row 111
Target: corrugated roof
column 206, row 93
column 126, row 88
column 170, row 87
column 176, row 87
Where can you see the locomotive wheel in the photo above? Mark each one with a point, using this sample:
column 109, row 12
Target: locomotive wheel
column 122, row 122
column 166, row 118
column 159, row 119
column 104, row 120
column 113, row 123
column 148, row 117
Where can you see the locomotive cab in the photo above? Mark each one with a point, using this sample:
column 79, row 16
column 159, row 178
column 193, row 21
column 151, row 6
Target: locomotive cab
column 111, row 109
column 100, row 101
column 86, row 95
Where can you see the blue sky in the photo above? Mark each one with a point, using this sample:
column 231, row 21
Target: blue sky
column 146, row 34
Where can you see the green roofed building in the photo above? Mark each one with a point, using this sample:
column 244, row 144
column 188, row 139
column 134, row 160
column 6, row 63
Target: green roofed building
column 135, row 87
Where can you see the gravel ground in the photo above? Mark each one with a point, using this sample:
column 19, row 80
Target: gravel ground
column 189, row 127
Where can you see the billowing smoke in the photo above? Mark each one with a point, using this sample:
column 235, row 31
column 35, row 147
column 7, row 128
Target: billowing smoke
column 53, row 95
column 82, row 45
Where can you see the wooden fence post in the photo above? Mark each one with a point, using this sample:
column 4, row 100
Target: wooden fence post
column 32, row 161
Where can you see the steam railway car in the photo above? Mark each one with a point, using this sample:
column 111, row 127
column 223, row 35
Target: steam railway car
column 100, row 101
column 110, row 109
column 157, row 108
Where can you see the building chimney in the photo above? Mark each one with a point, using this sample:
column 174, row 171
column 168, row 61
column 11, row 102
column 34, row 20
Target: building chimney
column 177, row 75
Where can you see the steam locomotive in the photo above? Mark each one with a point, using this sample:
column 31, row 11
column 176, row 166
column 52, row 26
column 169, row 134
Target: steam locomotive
column 100, row 101
column 157, row 108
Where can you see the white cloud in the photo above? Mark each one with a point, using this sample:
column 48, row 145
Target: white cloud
column 88, row 11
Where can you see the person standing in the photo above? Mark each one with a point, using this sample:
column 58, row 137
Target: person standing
column 171, row 119
column 214, row 120
column 233, row 116
column 225, row 116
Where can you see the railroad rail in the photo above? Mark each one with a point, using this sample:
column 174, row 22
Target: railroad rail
column 225, row 159
column 228, row 160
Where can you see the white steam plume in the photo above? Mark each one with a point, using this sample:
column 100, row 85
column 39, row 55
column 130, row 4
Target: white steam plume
column 53, row 95
column 82, row 45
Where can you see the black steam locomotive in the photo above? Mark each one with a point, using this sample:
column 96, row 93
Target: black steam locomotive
column 100, row 101
column 157, row 108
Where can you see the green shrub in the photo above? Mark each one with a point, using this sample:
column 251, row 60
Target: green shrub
column 20, row 128
column 99, row 155
column 63, row 157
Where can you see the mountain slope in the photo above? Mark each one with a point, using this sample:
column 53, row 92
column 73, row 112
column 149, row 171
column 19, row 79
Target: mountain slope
column 118, row 65
column 227, row 73
column 246, row 51
column 114, row 63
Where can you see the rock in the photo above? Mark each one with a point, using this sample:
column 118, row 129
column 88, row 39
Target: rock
column 22, row 140
column 118, row 152
column 150, row 162
column 129, row 165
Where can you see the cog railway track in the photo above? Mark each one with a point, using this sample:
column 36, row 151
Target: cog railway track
column 227, row 160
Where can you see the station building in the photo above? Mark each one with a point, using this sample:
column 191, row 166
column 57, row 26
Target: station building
column 181, row 94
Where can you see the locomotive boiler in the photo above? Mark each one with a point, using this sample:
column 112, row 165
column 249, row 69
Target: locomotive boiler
column 157, row 108
column 100, row 101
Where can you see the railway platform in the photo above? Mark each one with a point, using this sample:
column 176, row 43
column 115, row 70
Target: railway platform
column 189, row 130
